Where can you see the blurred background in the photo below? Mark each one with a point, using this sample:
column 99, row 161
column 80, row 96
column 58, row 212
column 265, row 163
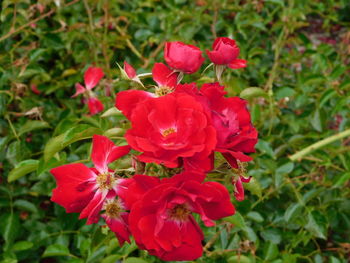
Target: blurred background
column 297, row 83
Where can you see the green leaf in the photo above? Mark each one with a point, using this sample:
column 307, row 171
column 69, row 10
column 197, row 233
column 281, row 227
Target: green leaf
column 237, row 219
column 253, row 92
column 272, row 235
column 270, row 251
column 22, row 169
column 316, row 224
column 255, row 216
column 111, row 259
column 342, row 180
column 25, row 205
column 239, row 259
column 80, row 132
column 254, row 187
column 265, row 148
column 134, row 260
column 292, row 211
column 316, row 121
column 56, row 250
column 9, row 228
column 32, row 125
column 22, row 245
column 114, row 132
column 111, row 112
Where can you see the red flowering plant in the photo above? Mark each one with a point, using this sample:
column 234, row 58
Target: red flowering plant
column 182, row 128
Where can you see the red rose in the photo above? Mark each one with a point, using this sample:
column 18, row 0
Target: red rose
column 83, row 190
column 231, row 119
column 168, row 129
column 225, row 52
column 182, row 57
column 161, row 218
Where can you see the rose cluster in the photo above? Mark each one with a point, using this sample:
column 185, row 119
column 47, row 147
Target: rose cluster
column 177, row 126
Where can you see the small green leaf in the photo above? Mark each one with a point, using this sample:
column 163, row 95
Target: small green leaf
column 22, row 169
column 342, row 180
column 80, row 132
column 56, row 250
column 237, row 219
column 111, row 112
column 253, row 92
column 255, row 216
column 292, row 211
column 22, row 245
column 272, row 235
column 32, row 125
column 316, row 224
column 114, row 132
column 270, row 251
column 9, row 228
column 254, row 187
column 25, row 205
column 134, row 260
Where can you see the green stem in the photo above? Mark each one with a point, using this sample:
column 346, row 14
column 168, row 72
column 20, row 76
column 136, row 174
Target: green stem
column 299, row 155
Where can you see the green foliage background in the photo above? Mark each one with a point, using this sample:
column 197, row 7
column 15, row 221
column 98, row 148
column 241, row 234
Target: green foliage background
column 298, row 55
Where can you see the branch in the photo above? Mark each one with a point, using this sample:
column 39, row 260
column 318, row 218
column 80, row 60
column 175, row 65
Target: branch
column 299, row 155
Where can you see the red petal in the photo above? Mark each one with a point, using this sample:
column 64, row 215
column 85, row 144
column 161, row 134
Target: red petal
column 239, row 190
column 130, row 71
column 163, row 75
column 34, row 88
column 126, row 101
column 75, row 186
column 238, row 63
column 91, row 211
column 79, row 90
column 119, row 227
column 95, row 105
column 104, row 151
column 92, row 76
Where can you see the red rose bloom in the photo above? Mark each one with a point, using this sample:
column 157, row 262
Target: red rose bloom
column 225, row 52
column 168, row 129
column 83, row 190
column 182, row 57
column 161, row 218
column 231, row 119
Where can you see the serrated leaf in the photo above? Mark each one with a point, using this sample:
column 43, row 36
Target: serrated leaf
column 22, row 169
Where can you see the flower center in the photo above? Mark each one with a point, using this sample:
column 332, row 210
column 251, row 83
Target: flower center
column 179, row 212
column 105, row 181
column 112, row 208
column 168, row 131
column 163, row 90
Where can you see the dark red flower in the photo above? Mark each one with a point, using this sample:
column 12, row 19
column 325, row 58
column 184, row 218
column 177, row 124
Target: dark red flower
column 182, row 57
column 168, row 129
column 225, row 52
column 83, row 190
column 95, row 105
column 161, row 219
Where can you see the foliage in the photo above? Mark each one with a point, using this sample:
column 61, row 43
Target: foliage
column 297, row 84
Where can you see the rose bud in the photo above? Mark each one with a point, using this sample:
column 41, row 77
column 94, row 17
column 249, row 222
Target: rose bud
column 185, row 58
column 225, row 52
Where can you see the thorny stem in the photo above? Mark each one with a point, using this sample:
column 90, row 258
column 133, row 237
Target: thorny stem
column 91, row 24
column 269, row 84
column 16, row 31
column 299, row 155
column 130, row 45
